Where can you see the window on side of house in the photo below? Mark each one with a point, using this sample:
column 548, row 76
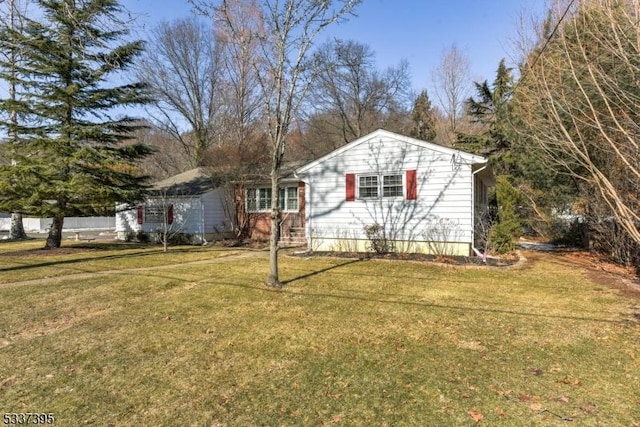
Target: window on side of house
column 251, row 205
column 259, row 199
column 264, row 199
column 392, row 186
column 153, row 213
column 292, row 199
column 288, row 200
column 281, row 200
column 368, row 187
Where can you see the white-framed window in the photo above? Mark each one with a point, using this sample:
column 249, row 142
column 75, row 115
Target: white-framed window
column 392, row 186
column 264, row 199
column 252, row 204
column 153, row 213
column 368, row 187
column 376, row 186
column 259, row 199
column 291, row 199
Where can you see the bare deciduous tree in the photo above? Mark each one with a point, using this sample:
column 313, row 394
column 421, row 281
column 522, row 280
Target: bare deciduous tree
column 165, row 161
column 531, row 30
column 290, row 28
column 171, row 213
column 350, row 96
column 580, row 104
column 238, row 33
column 181, row 67
column 451, row 80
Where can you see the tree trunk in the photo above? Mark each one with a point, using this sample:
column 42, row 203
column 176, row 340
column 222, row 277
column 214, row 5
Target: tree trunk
column 274, row 279
column 54, row 239
column 165, row 240
column 17, row 229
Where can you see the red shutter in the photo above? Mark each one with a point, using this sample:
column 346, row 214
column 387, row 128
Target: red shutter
column 170, row 215
column 140, row 214
column 351, row 187
column 412, row 185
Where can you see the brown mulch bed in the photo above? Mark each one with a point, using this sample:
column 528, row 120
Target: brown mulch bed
column 506, row 261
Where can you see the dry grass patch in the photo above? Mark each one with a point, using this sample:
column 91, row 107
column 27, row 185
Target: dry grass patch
column 346, row 342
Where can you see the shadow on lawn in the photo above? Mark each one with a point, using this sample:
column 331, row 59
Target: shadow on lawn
column 316, row 272
column 459, row 308
column 409, row 303
column 97, row 247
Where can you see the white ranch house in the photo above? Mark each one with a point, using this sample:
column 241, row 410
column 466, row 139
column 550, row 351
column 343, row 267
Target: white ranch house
column 423, row 195
column 425, row 198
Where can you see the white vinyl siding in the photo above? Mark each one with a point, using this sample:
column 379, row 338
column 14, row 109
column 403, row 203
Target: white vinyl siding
column 198, row 215
column 216, row 210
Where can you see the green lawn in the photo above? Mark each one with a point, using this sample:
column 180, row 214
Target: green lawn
column 96, row 338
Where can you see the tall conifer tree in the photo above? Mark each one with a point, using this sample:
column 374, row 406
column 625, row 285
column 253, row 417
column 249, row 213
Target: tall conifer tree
column 72, row 157
column 424, row 123
column 13, row 12
column 491, row 109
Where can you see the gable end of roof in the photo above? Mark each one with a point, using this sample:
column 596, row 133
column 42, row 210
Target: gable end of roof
column 470, row 158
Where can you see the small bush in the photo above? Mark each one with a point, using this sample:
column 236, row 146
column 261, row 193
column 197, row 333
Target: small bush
column 173, row 239
column 438, row 235
column 573, row 233
column 501, row 238
column 378, row 241
column 137, row 237
column 503, row 234
column 143, row 237
column 609, row 238
column 181, row 239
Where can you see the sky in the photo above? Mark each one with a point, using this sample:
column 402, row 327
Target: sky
column 419, row 31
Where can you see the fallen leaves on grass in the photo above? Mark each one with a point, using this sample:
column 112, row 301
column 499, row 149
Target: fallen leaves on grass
column 524, row 397
column 588, row 409
column 476, row 415
column 573, row 381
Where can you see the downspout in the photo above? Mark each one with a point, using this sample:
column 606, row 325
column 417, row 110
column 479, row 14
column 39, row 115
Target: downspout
column 473, row 213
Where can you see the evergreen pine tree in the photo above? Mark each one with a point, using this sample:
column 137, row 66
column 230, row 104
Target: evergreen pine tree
column 491, row 109
column 9, row 57
column 71, row 155
column 424, row 126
